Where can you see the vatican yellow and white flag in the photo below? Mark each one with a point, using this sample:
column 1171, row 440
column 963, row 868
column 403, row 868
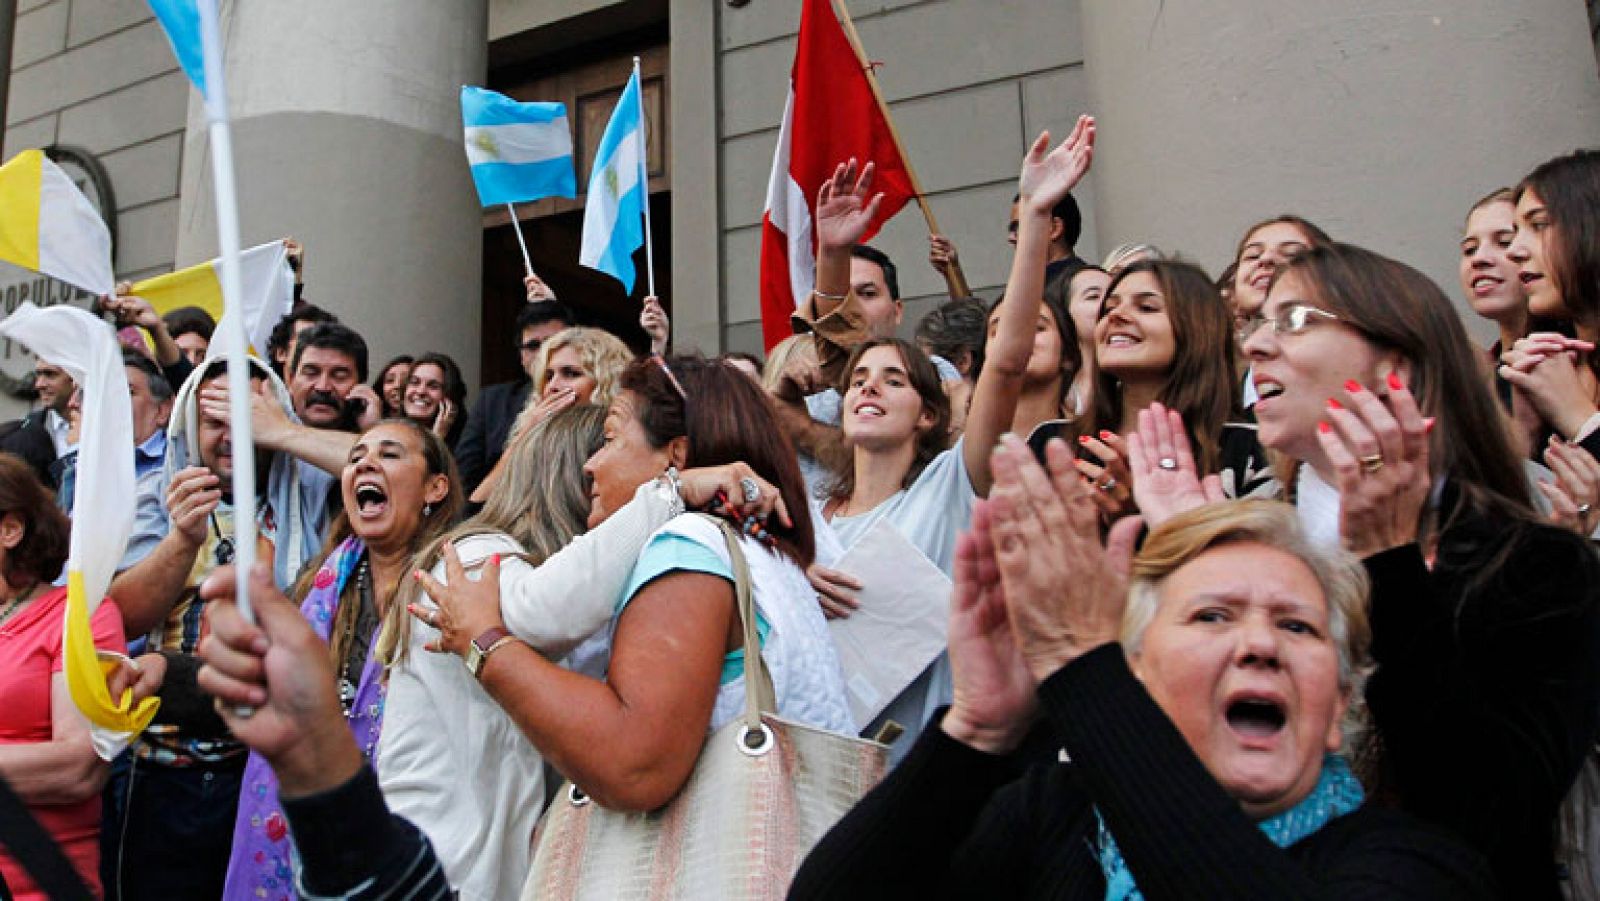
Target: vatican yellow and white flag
column 102, row 509
column 267, row 297
column 48, row 226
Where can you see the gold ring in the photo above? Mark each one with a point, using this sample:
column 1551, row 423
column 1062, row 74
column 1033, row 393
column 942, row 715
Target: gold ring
column 1372, row 464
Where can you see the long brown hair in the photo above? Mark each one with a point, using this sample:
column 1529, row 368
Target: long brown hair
column 726, row 418
column 925, row 381
column 1569, row 186
column 1396, row 307
column 441, row 517
column 542, row 503
column 1202, row 383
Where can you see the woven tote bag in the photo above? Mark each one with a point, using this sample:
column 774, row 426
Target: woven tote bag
column 761, row 794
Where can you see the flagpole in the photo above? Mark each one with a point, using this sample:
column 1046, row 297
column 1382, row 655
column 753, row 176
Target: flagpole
column 239, row 393
column 953, row 276
column 516, row 226
column 644, row 184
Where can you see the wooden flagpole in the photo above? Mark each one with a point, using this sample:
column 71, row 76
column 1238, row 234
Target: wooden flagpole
column 955, row 279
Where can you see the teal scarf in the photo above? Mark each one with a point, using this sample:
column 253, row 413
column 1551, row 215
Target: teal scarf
column 1338, row 792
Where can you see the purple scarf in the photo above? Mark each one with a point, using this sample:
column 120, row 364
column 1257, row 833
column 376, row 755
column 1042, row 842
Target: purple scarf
column 259, row 868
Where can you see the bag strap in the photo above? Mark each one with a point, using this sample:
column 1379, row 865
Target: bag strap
column 32, row 847
column 759, row 695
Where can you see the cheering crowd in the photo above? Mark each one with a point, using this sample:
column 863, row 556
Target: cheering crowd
column 1268, row 584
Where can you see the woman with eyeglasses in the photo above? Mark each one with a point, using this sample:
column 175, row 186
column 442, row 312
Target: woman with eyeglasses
column 46, row 755
column 400, row 490
column 1486, row 632
column 676, row 665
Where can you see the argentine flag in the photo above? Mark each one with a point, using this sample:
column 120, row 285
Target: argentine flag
column 518, row 151
column 612, row 216
column 180, row 19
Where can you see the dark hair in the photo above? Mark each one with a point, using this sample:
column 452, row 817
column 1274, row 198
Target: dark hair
column 1394, row 306
column 1057, row 299
column 455, row 389
column 155, row 382
column 283, row 332
column 332, row 336
column 1202, row 384
column 542, row 311
column 925, row 380
column 45, row 530
column 189, row 320
column 1066, row 209
column 1569, row 187
column 443, row 515
column 891, row 275
column 377, row 382
column 727, row 419
column 31, row 444
column 956, row 327
column 1315, row 236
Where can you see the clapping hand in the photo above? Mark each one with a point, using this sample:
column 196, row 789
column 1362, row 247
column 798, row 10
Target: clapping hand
column 1576, row 489
column 1065, row 591
column 1545, row 369
column 1378, row 450
column 1166, row 480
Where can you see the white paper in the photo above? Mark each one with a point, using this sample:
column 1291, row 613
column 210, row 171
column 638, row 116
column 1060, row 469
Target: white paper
column 900, row 626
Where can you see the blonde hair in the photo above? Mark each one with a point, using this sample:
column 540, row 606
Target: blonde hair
column 602, row 354
column 541, row 503
column 782, row 353
column 1272, row 523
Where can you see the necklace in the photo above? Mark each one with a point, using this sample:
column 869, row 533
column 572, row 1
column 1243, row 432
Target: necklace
column 15, row 604
column 347, row 686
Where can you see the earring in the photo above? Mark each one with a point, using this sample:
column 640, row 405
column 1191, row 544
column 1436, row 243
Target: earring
column 427, row 510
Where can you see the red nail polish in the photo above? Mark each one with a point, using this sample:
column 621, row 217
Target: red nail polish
column 1105, row 436
column 1352, row 386
column 1334, row 404
column 1083, row 439
column 416, row 574
column 1394, row 382
column 495, row 559
column 1324, row 428
column 1429, row 423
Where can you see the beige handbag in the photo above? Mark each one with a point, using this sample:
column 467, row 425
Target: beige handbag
column 762, row 793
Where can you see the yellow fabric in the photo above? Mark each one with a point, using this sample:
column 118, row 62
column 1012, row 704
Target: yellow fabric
column 197, row 286
column 19, row 209
column 86, row 674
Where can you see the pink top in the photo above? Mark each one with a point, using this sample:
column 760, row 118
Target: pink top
column 30, row 654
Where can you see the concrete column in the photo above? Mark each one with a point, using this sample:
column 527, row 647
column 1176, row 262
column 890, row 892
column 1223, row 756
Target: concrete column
column 347, row 135
column 696, row 250
column 1380, row 120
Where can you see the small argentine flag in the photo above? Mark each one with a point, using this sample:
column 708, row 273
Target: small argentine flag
column 180, row 19
column 612, row 217
column 518, row 151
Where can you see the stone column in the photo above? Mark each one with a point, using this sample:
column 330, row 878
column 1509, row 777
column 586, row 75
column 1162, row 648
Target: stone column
column 347, row 135
column 1381, row 121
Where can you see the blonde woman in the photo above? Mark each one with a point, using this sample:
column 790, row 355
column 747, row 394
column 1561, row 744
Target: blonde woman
column 575, row 366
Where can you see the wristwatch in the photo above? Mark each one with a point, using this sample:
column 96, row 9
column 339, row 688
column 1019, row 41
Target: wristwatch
column 482, row 646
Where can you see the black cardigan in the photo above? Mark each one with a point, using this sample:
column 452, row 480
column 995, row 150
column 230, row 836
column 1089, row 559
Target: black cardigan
column 1486, row 696
column 953, row 822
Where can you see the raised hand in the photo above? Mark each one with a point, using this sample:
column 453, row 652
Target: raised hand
column 1166, row 480
column 1378, row 449
column 846, row 205
column 995, row 699
column 444, row 418
column 536, row 289
column 941, row 252
column 1065, row 592
column 653, row 319
column 191, row 499
column 1048, row 177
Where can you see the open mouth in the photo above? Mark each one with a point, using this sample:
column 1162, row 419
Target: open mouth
column 1256, row 717
column 1528, row 278
column 370, row 500
column 1121, row 340
column 869, row 410
column 1267, row 389
column 1486, row 283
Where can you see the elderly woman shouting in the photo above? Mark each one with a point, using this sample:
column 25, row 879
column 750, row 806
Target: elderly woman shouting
column 1198, row 704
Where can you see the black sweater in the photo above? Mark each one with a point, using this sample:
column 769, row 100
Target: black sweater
column 1487, row 691
column 953, row 822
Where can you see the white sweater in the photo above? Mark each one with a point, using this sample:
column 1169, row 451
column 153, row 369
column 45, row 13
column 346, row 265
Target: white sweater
column 450, row 759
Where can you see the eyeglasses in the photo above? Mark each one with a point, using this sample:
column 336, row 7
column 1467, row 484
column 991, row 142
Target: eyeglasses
column 1292, row 319
column 666, row 370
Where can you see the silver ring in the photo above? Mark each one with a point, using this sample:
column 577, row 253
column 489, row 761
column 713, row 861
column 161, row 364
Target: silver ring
column 1583, row 509
column 752, row 491
column 1167, row 463
column 1108, row 484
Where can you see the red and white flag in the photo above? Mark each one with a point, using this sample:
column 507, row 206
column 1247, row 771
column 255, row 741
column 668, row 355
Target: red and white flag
column 830, row 116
